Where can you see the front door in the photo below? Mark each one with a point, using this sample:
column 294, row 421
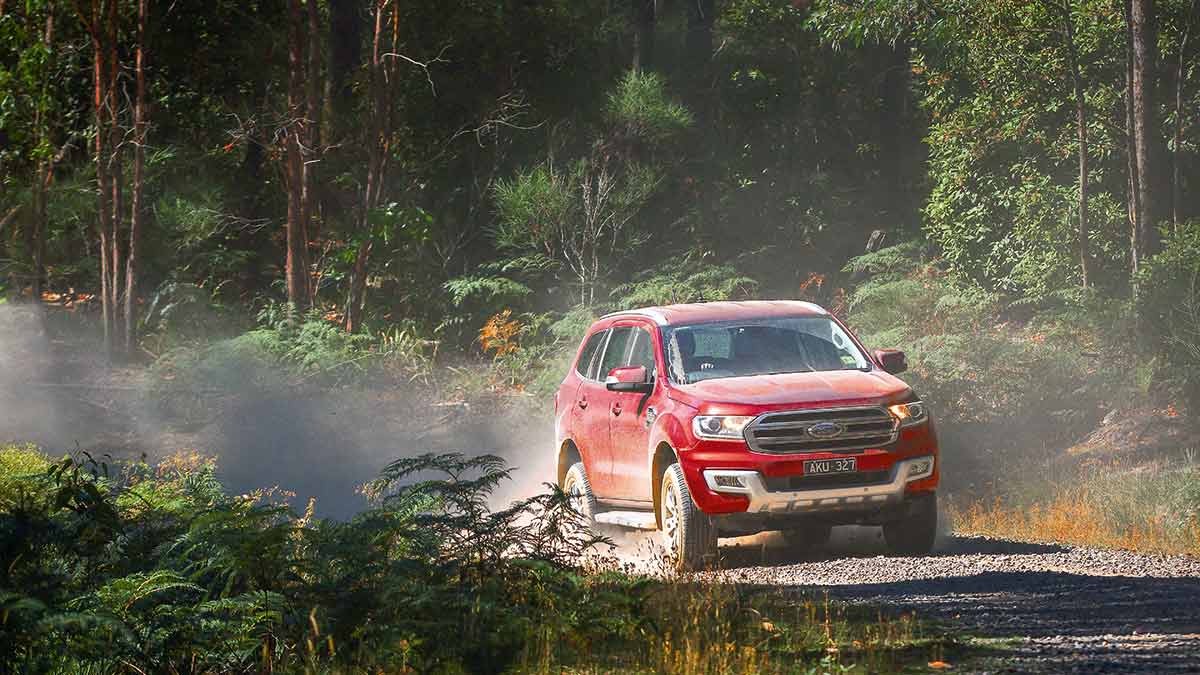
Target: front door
column 600, row 402
column 629, row 422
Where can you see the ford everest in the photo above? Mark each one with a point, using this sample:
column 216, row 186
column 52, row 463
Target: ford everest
column 731, row 418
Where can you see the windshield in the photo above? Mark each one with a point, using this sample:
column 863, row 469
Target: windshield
column 760, row 347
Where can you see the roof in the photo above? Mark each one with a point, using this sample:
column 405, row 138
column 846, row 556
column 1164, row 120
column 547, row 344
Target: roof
column 703, row 312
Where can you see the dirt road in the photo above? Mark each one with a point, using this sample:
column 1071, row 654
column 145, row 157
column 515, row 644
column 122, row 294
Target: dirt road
column 1038, row 607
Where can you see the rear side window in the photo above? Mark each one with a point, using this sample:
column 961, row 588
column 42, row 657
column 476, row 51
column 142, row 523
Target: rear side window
column 618, row 349
column 584, row 365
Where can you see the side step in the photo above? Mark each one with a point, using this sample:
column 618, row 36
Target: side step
column 638, row 520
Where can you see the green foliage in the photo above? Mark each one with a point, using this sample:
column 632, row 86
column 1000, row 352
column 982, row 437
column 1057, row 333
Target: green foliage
column 1171, row 309
column 581, row 217
column 687, row 278
column 18, row 465
column 639, row 108
column 156, row 569
column 979, row 368
column 177, row 576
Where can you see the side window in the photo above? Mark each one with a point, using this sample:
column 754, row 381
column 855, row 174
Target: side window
column 588, row 354
column 614, row 355
column 642, row 351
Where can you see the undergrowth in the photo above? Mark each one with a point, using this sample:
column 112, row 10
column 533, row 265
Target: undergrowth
column 138, row 568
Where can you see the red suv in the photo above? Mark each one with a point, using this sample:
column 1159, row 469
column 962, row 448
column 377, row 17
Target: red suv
column 730, row 418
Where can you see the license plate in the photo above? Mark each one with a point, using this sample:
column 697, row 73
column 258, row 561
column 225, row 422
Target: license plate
column 819, row 467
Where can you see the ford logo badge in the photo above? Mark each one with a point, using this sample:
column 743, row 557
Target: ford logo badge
column 825, row 430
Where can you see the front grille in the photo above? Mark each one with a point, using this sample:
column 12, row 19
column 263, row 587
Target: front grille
column 788, row 432
column 852, row 479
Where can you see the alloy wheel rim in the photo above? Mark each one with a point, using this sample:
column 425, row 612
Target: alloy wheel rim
column 575, row 495
column 671, row 514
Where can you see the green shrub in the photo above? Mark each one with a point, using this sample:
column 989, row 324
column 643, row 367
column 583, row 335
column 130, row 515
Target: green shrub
column 640, row 107
column 687, row 278
column 1170, row 310
column 982, row 363
column 20, row 466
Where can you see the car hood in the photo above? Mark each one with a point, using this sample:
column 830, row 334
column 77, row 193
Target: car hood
column 802, row 390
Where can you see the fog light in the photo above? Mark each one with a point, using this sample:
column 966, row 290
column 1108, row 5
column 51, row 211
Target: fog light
column 920, row 468
column 731, row 481
column 724, row 480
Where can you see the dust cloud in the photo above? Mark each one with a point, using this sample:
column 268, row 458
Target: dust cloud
column 57, row 390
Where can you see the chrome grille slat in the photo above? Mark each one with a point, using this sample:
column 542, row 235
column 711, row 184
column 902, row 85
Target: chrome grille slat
column 787, row 432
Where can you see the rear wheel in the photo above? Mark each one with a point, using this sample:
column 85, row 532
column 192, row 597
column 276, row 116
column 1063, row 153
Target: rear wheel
column 808, row 536
column 914, row 534
column 579, row 491
column 688, row 532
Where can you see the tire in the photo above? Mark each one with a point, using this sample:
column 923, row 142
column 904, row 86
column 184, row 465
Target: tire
column 808, row 537
column 689, row 535
column 579, row 489
column 915, row 533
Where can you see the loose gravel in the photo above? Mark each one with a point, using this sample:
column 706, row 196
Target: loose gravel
column 1044, row 607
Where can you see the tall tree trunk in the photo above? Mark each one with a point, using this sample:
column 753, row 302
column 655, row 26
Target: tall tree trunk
column 116, row 153
column 312, row 125
column 37, row 232
column 1136, row 216
column 376, row 164
column 42, row 177
column 101, row 105
column 297, row 264
column 7, row 223
column 1145, row 49
column 1177, row 136
column 1081, row 125
column 139, row 168
column 643, row 34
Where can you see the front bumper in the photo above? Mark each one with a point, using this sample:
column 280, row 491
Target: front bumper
column 761, row 500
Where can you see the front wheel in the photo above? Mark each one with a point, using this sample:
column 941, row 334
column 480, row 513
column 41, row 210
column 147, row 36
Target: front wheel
column 688, row 532
column 579, row 492
column 914, row 534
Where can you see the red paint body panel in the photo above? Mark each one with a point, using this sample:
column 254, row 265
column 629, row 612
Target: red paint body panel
column 617, row 433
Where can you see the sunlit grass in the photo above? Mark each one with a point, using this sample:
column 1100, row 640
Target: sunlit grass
column 1151, row 509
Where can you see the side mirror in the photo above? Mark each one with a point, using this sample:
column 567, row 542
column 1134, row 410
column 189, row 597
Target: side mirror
column 891, row 360
column 629, row 379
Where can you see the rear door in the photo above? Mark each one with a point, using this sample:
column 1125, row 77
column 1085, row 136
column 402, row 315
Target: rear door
column 600, row 403
column 589, row 418
column 630, row 417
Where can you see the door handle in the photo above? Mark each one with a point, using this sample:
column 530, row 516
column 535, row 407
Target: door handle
column 583, row 403
column 616, row 409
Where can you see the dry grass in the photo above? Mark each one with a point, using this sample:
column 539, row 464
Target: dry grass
column 721, row 628
column 1149, row 509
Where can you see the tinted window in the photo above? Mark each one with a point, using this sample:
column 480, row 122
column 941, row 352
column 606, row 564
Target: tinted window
column 765, row 346
column 715, row 343
column 642, row 352
column 589, row 351
column 618, row 348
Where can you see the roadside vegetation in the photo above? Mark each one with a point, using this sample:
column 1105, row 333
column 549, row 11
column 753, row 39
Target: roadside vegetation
column 138, row 568
column 1149, row 508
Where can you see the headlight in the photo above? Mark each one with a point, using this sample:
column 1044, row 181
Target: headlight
column 719, row 426
column 909, row 413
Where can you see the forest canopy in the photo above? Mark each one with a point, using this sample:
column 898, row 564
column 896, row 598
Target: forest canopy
column 431, row 165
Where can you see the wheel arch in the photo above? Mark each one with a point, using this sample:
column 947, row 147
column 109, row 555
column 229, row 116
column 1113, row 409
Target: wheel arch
column 664, row 456
column 568, row 454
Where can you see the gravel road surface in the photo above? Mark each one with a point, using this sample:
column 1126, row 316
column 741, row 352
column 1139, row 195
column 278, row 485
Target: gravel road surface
column 1048, row 608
